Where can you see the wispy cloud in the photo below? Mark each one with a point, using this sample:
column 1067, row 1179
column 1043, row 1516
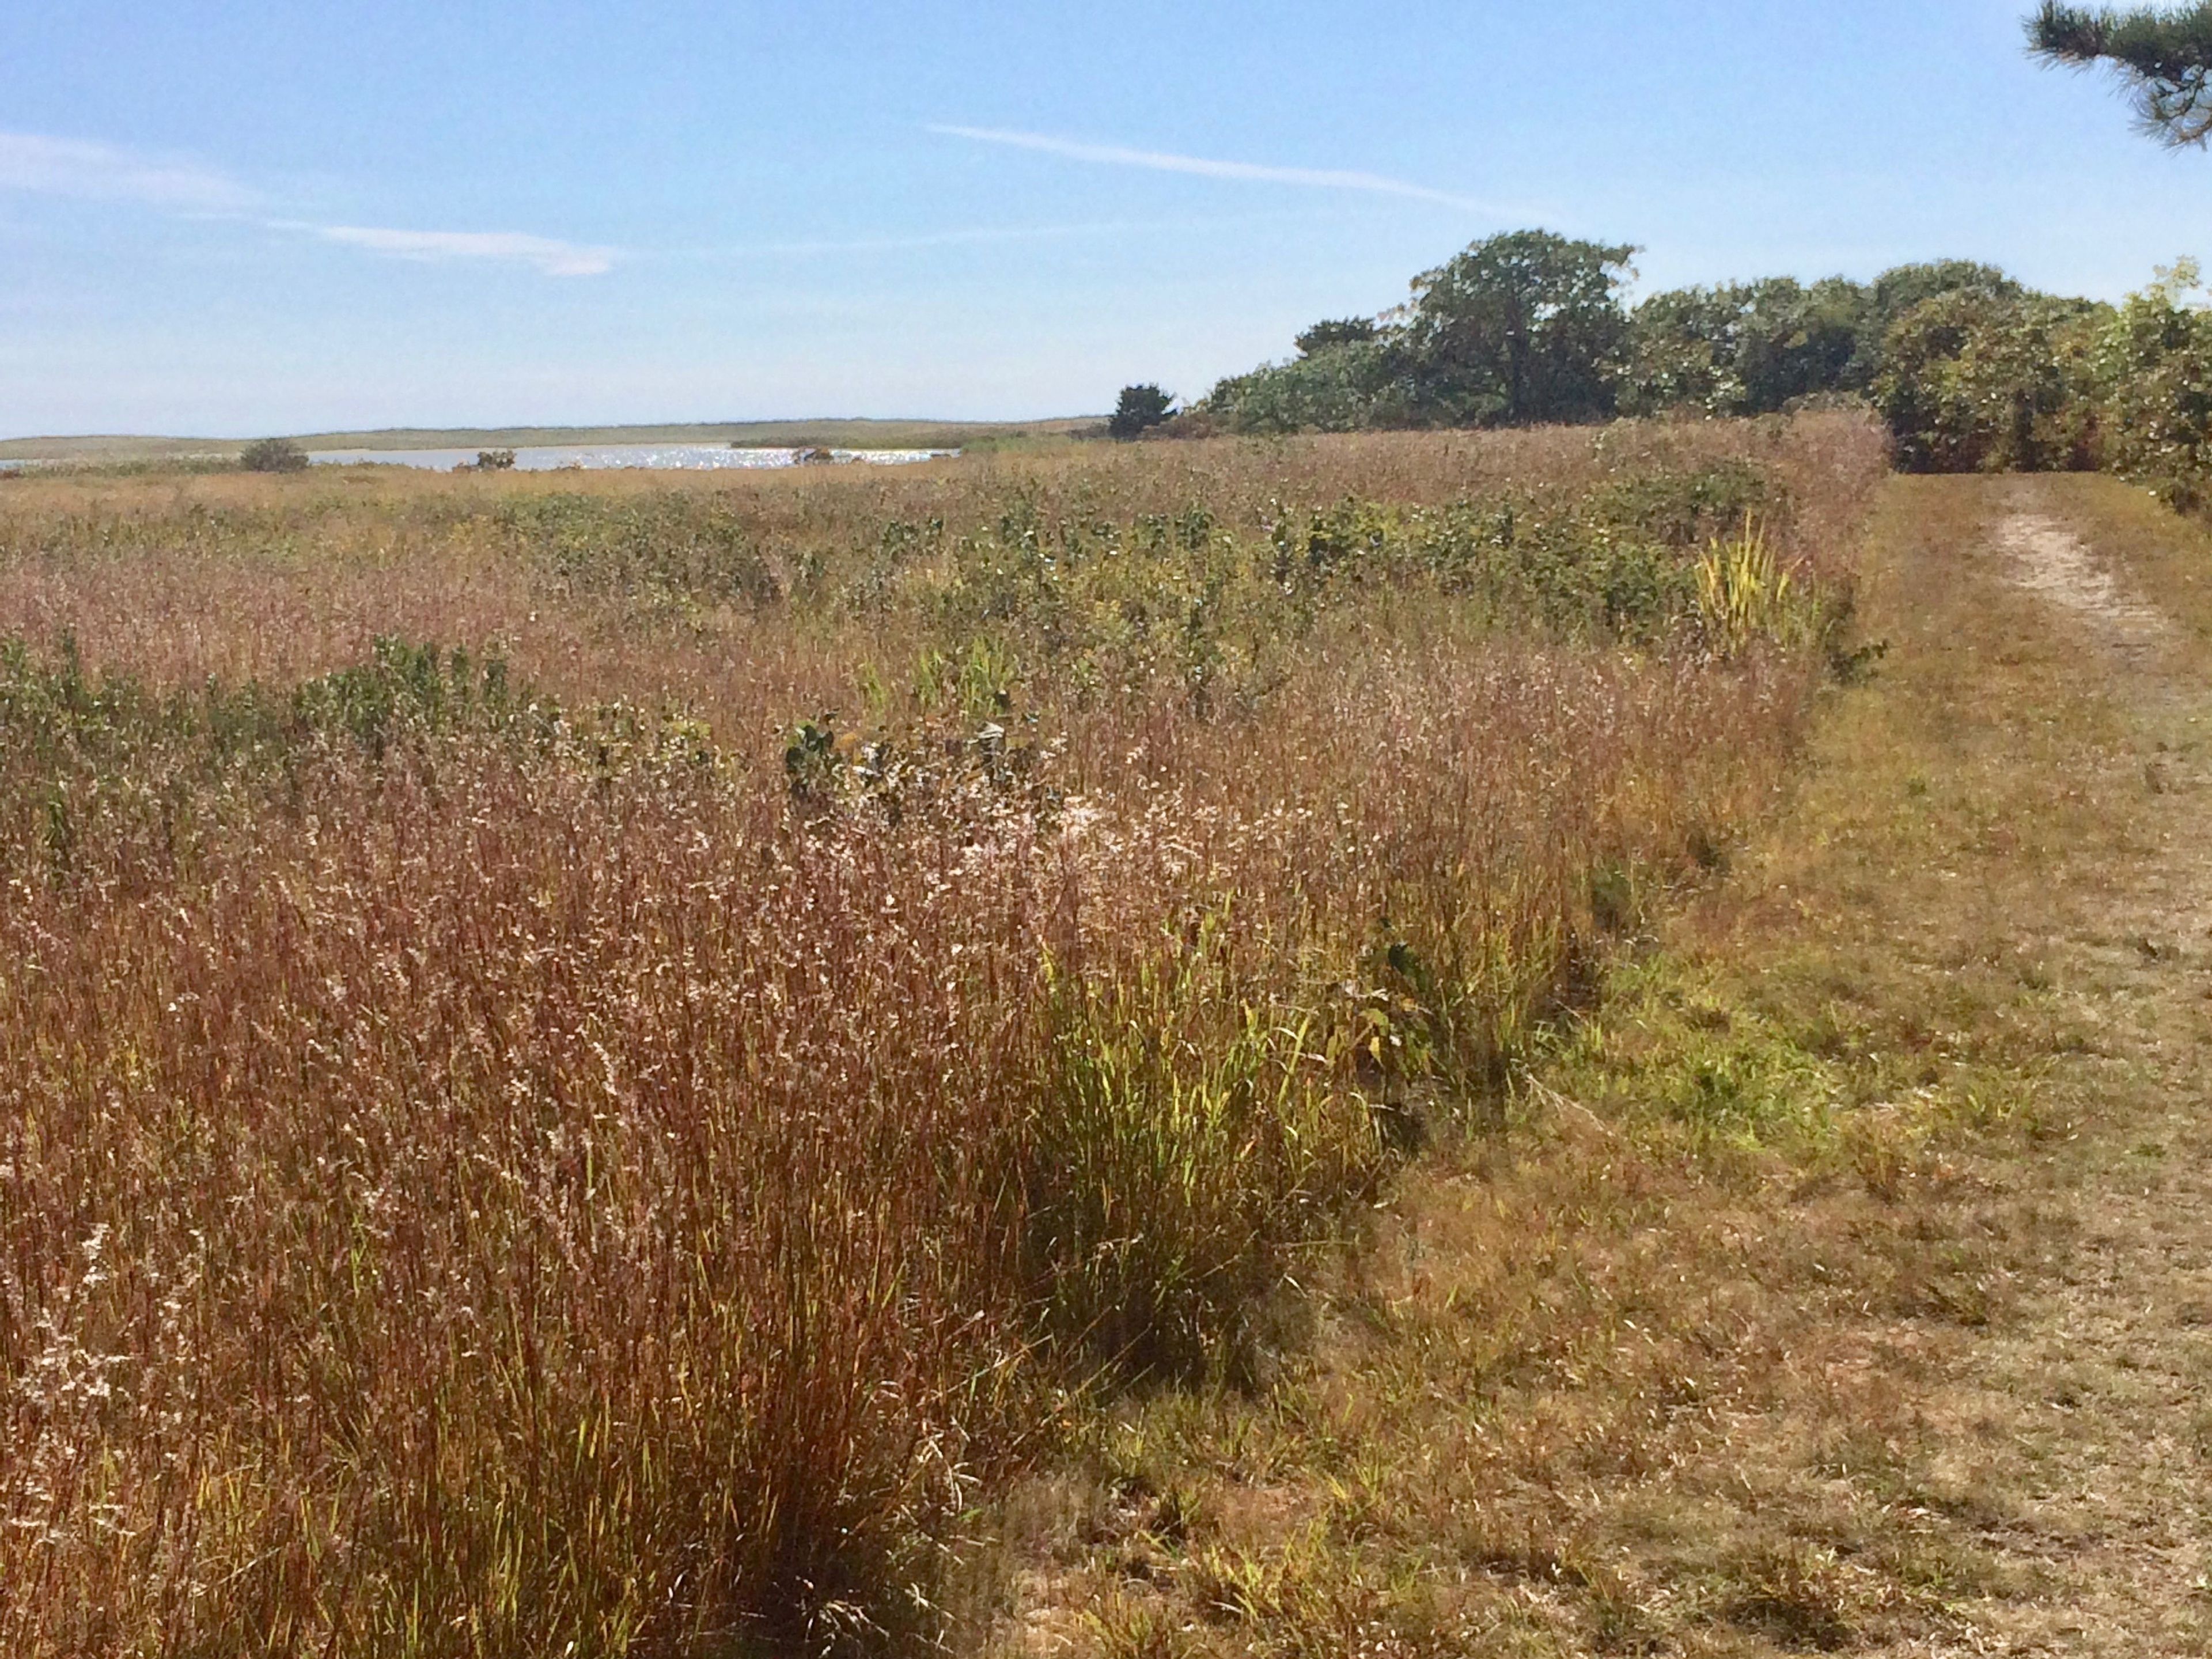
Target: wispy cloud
column 546, row 254
column 977, row 236
column 1374, row 184
column 37, row 164
column 982, row 235
column 95, row 172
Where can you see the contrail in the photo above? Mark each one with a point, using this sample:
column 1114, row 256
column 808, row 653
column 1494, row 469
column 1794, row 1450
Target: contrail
column 1374, row 184
column 551, row 256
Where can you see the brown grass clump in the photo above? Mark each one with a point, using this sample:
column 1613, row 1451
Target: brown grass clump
column 611, row 1143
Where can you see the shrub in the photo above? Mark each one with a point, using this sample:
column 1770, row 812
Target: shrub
column 273, row 455
column 1140, row 409
column 2157, row 360
column 1342, row 387
column 1978, row 381
column 665, row 546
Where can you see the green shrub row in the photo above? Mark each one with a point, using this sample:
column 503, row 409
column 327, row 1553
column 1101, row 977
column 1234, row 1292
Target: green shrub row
column 1972, row 370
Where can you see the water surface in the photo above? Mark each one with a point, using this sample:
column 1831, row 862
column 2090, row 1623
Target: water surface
column 594, row 457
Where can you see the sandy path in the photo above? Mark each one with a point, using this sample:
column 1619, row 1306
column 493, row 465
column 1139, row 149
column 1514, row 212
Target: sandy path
column 2047, row 559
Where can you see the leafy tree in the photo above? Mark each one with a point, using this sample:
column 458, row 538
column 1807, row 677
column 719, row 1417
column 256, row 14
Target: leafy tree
column 1902, row 289
column 1898, row 289
column 1524, row 327
column 1335, row 331
column 1344, row 387
column 2164, row 53
column 1746, row 348
column 2158, row 364
column 1972, row 370
column 273, row 455
column 1974, row 381
column 1140, row 409
column 1681, row 353
column 1798, row 341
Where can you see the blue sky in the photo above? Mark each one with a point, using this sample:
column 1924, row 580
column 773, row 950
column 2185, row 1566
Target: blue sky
column 266, row 216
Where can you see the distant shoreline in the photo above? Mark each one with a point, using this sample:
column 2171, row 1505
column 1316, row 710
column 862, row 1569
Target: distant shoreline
column 765, row 435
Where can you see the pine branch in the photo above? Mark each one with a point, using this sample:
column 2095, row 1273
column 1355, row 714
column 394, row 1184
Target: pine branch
column 2070, row 35
column 2167, row 55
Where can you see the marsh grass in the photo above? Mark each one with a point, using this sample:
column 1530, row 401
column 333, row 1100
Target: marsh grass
column 618, row 1138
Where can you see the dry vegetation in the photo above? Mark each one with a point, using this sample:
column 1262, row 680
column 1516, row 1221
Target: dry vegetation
column 598, row 1066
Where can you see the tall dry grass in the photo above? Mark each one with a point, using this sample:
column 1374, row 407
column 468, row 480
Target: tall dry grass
column 554, row 1154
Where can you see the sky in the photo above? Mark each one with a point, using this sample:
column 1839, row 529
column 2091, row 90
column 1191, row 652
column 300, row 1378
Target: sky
column 264, row 217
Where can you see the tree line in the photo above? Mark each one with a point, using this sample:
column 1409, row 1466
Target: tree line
column 1972, row 370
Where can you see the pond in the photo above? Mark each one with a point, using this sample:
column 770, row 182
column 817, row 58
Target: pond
column 590, row 457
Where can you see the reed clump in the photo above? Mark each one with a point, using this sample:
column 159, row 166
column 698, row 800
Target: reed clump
column 617, row 1138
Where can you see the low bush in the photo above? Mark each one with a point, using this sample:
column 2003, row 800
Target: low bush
column 664, row 545
column 273, row 455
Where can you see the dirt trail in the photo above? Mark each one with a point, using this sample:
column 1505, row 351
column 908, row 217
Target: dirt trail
column 2087, row 1413
column 2049, row 559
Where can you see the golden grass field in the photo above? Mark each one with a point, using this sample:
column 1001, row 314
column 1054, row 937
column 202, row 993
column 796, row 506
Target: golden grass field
column 1178, row 1047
